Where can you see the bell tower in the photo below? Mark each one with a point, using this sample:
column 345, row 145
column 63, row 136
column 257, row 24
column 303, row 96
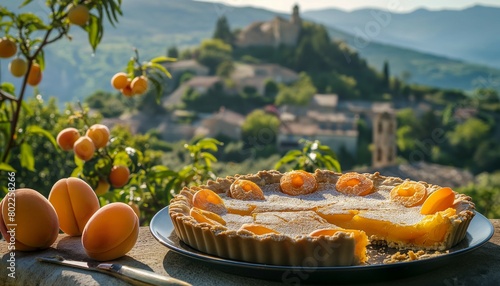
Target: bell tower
column 296, row 15
column 384, row 139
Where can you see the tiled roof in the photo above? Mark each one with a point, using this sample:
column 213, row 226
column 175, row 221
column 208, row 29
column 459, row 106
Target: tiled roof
column 203, row 81
column 326, row 100
column 311, row 129
column 183, row 64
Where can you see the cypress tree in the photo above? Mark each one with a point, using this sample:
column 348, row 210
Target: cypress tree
column 223, row 31
column 386, row 75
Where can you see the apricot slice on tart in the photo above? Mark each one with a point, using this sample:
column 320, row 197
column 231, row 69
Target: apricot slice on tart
column 409, row 194
column 209, row 200
column 354, row 184
column 298, row 182
column 246, row 190
column 202, row 216
column 258, row 229
column 438, row 201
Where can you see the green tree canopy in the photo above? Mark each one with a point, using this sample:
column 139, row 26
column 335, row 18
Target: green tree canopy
column 225, row 69
column 260, row 128
column 469, row 134
column 173, row 52
column 213, row 52
column 485, row 193
column 299, row 93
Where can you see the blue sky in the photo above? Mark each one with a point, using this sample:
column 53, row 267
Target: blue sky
column 393, row 5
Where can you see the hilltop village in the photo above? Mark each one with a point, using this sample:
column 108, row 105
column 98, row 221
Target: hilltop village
column 289, row 71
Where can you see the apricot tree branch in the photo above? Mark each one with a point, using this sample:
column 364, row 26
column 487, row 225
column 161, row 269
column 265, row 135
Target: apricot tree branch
column 17, row 112
column 8, row 96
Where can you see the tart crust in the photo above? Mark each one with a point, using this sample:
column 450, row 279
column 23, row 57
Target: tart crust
column 340, row 249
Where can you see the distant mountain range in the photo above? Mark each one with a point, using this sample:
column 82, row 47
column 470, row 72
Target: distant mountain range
column 470, row 34
column 152, row 26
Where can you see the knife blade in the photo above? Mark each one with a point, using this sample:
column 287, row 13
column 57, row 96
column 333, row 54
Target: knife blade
column 134, row 276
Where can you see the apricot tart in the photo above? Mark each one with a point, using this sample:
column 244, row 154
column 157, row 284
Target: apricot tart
column 320, row 219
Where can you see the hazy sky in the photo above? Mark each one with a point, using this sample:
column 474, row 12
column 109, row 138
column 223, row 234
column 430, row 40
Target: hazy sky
column 393, row 5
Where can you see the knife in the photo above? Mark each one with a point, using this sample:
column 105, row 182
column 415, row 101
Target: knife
column 134, row 276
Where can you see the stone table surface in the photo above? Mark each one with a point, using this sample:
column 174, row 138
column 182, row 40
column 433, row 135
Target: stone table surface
column 477, row 267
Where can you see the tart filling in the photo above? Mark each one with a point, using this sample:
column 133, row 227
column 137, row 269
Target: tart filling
column 322, row 219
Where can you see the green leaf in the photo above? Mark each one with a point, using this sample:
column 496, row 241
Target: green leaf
column 6, row 167
column 326, row 150
column 40, row 59
column 39, row 130
column 26, row 108
column 77, row 171
column 8, row 87
column 335, row 164
column 95, row 31
column 208, row 156
column 158, row 88
column 208, row 144
column 172, row 185
column 79, row 162
column 26, row 2
column 130, row 67
column 115, row 9
column 163, row 174
column 31, row 22
column 161, row 68
column 27, row 158
column 163, row 59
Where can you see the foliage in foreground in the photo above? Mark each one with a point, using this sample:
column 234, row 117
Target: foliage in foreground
column 485, row 192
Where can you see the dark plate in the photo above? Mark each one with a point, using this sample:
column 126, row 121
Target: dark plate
column 479, row 232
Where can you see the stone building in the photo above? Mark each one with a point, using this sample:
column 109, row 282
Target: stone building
column 274, row 33
column 384, row 139
column 319, row 120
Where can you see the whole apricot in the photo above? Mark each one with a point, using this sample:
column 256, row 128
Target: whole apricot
column 84, row 148
column 30, row 218
column 78, row 15
column 18, row 67
column 67, row 137
column 120, row 80
column 34, row 75
column 111, row 232
column 119, row 175
column 139, row 85
column 75, row 202
column 8, row 48
column 127, row 90
column 99, row 134
column 102, row 187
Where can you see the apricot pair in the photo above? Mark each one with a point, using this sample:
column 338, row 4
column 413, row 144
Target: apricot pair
column 107, row 233
column 129, row 87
